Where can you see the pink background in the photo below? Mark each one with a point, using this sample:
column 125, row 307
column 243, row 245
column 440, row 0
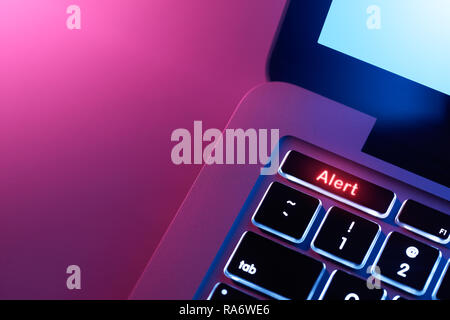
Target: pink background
column 85, row 123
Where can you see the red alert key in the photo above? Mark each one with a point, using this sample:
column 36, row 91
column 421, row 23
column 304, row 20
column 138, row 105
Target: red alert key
column 337, row 184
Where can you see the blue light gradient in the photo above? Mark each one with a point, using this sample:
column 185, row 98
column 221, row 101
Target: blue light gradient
column 413, row 41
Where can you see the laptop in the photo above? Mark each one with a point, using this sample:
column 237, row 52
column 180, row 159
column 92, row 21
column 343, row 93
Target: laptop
column 358, row 206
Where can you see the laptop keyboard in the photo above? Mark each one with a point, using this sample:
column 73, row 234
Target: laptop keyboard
column 293, row 252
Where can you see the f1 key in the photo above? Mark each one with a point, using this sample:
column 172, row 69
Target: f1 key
column 273, row 269
column 425, row 221
column 337, row 184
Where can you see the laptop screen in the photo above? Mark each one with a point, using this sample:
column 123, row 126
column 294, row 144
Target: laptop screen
column 385, row 58
column 410, row 38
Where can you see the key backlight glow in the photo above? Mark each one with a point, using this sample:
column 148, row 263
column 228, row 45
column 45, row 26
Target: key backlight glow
column 337, row 183
column 330, row 179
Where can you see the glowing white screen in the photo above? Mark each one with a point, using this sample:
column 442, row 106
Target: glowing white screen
column 412, row 38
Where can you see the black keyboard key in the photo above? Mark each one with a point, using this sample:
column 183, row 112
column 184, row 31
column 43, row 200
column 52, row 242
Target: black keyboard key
column 345, row 237
column 343, row 286
column 399, row 298
column 273, row 269
column 406, row 263
column 222, row 292
column 286, row 212
column 442, row 291
column 423, row 220
column 337, row 184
